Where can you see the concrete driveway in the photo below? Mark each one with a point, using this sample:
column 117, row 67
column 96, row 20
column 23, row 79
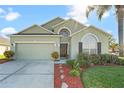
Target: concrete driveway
column 27, row 74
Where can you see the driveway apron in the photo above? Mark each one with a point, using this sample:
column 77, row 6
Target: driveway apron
column 27, row 74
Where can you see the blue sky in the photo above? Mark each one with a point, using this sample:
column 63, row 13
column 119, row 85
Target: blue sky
column 17, row 18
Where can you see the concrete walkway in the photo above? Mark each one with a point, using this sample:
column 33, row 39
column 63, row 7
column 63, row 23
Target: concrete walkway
column 27, row 74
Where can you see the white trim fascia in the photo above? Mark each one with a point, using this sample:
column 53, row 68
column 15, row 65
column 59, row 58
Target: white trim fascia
column 87, row 34
column 4, row 45
column 34, row 42
column 37, row 35
column 79, row 31
column 100, row 30
column 64, row 42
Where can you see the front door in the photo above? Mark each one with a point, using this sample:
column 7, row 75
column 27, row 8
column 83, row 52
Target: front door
column 63, row 50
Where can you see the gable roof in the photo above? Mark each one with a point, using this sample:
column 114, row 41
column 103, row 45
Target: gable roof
column 74, row 25
column 46, row 29
column 80, row 26
column 35, row 30
column 49, row 24
column 92, row 27
column 106, row 33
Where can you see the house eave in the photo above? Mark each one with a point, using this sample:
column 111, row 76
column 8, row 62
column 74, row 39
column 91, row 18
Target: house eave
column 32, row 27
column 37, row 35
column 108, row 34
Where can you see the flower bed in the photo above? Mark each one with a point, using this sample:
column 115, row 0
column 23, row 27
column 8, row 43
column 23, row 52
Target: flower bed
column 72, row 82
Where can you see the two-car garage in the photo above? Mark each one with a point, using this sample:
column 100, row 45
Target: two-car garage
column 34, row 47
column 34, row 50
column 34, row 42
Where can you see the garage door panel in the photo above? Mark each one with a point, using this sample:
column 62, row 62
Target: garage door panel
column 34, row 51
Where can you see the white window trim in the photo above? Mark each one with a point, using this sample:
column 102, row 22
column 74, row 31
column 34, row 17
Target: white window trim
column 64, row 28
column 37, row 35
column 88, row 35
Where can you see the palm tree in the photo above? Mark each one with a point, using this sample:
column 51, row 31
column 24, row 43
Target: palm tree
column 113, row 45
column 119, row 10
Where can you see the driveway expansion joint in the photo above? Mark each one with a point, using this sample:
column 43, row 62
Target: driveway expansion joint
column 14, row 72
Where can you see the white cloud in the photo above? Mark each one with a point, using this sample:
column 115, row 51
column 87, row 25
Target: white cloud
column 2, row 11
column 8, row 31
column 109, row 31
column 5, row 32
column 9, row 15
column 12, row 16
column 77, row 12
column 106, row 14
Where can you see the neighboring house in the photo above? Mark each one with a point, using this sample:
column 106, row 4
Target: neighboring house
column 4, row 45
column 67, row 37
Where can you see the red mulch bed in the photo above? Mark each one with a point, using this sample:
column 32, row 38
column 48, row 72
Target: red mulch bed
column 72, row 82
column 4, row 61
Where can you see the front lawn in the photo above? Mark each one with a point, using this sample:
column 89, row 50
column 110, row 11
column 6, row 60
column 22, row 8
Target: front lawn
column 103, row 76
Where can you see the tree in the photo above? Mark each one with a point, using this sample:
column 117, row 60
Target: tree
column 113, row 45
column 119, row 10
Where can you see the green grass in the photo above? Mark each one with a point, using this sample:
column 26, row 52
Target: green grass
column 121, row 58
column 2, row 57
column 103, row 77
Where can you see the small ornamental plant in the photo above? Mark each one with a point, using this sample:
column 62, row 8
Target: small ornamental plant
column 9, row 54
column 55, row 55
column 74, row 73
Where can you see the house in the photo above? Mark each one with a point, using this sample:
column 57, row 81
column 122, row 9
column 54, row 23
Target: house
column 4, row 45
column 67, row 37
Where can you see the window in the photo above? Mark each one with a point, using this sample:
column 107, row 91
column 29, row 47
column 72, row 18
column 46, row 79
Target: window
column 90, row 44
column 64, row 32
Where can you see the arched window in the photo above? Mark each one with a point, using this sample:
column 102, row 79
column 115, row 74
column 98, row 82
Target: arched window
column 89, row 44
column 64, row 32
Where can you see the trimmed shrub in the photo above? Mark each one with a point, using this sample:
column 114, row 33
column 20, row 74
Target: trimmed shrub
column 121, row 60
column 9, row 54
column 114, row 59
column 94, row 58
column 74, row 72
column 83, row 60
column 55, row 55
column 108, row 58
column 105, row 58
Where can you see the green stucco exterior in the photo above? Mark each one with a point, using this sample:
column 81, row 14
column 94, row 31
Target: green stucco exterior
column 34, row 37
column 75, row 39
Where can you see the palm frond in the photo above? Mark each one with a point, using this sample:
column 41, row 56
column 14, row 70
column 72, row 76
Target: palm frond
column 89, row 10
column 100, row 10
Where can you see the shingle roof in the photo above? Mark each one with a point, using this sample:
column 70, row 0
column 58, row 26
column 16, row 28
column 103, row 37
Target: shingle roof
column 49, row 24
column 37, row 30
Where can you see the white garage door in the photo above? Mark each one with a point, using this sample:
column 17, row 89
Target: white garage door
column 34, row 51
